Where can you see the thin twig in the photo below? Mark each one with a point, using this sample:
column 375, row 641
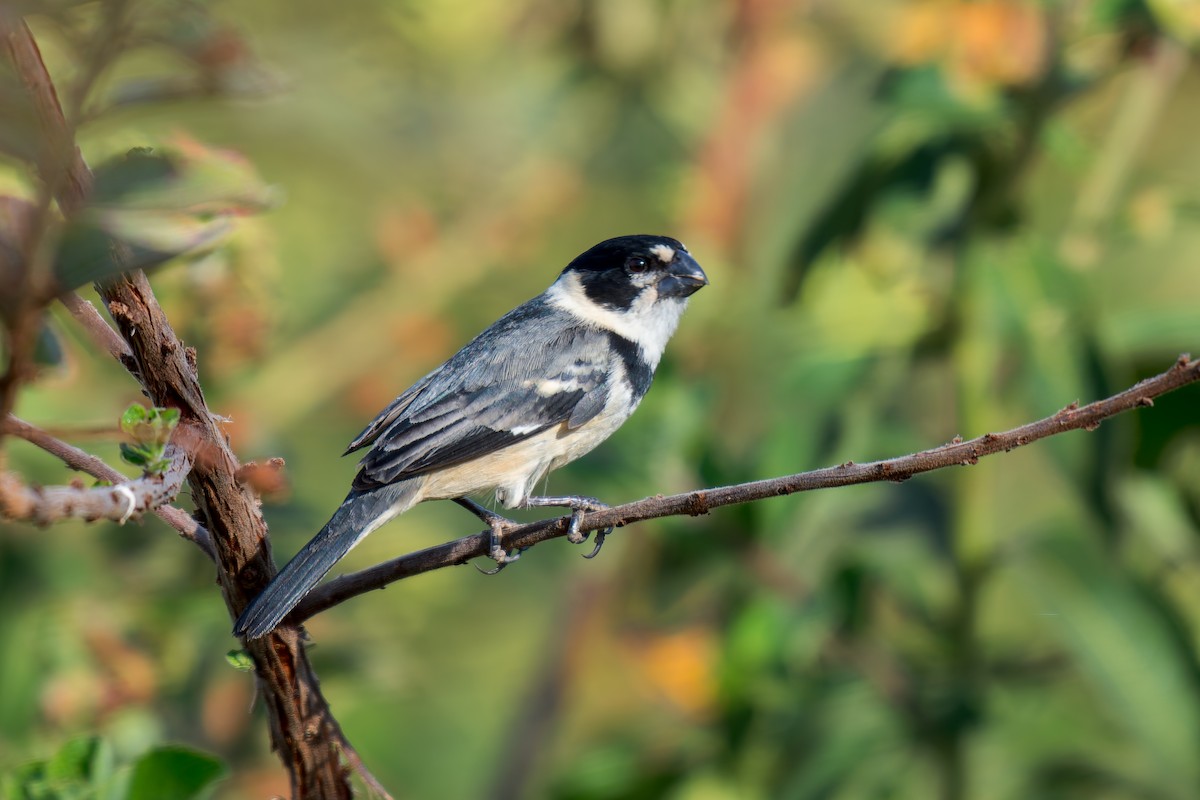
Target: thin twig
column 701, row 501
column 355, row 760
column 100, row 331
column 82, row 461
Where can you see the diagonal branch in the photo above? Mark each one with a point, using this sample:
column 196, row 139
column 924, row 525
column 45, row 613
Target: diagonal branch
column 82, row 461
column 100, row 331
column 956, row 453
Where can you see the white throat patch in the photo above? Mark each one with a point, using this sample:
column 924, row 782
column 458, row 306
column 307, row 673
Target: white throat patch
column 649, row 322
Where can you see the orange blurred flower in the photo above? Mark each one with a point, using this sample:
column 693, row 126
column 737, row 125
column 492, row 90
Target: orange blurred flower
column 679, row 665
column 980, row 44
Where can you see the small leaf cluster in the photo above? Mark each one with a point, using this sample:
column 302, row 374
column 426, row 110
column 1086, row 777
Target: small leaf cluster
column 150, row 429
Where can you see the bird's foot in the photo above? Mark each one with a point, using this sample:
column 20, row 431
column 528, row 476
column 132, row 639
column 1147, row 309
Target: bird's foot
column 496, row 550
column 502, row 558
column 499, row 526
column 579, row 506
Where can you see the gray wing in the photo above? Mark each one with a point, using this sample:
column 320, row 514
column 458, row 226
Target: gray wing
column 389, row 415
column 528, row 372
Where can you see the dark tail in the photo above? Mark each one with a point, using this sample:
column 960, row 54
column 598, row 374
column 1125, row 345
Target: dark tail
column 360, row 513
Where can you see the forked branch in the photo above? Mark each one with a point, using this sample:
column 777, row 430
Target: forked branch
column 124, row 499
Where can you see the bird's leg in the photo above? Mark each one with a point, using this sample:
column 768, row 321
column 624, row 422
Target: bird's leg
column 579, row 506
column 497, row 524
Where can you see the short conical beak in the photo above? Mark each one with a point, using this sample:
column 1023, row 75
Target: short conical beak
column 683, row 278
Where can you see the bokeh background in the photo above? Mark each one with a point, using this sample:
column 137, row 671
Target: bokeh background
column 921, row 219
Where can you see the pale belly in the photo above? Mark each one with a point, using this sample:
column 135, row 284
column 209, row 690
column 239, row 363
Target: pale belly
column 513, row 471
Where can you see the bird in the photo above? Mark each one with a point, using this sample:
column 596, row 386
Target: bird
column 543, row 385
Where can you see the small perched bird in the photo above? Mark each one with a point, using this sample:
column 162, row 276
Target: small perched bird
column 545, row 384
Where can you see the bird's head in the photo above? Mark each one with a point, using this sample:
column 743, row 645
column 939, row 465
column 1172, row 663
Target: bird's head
column 635, row 272
column 633, row 286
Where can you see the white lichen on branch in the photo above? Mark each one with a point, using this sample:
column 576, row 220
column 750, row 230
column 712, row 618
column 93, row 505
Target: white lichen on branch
column 120, row 502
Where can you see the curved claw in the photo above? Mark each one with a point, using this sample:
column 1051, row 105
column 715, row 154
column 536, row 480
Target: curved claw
column 496, row 551
column 600, row 536
column 502, row 559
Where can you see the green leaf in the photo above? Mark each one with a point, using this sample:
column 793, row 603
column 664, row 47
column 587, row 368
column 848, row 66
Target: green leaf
column 150, row 430
column 84, row 769
column 240, row 660
column 173, row 773
column 87, row 253
column 149, row 425
column 135, row 454
column 147, row 208
column 120, row 178
column 185, row 177
column 134, row 416
column 26, row 781
column 48, row 349
column 153, row 233
column 73, row 761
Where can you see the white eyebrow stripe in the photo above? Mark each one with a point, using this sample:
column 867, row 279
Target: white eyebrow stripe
column 664, row 253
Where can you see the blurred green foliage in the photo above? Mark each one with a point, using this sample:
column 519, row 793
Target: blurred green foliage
column 85, row 769
column 152, row 208
column 920, row 219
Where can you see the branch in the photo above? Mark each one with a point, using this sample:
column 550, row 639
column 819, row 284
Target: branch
column 695, row 503
column 301, row 724
column 101, row 332
column 82, row 461
column 119, row 503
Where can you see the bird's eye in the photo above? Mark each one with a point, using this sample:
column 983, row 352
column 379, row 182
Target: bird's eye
column 636, row 264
